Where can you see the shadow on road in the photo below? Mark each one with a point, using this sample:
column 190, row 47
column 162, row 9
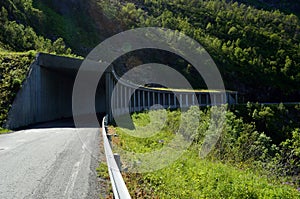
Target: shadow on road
column 61, row 123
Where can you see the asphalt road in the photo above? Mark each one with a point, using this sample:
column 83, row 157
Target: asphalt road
column 49, row 163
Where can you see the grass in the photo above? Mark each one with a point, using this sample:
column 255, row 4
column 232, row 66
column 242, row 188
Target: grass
column 102, row 171
column 4, row 131
column 5, row 52
column 78, row 34
column 192, row 177
column 103, row 175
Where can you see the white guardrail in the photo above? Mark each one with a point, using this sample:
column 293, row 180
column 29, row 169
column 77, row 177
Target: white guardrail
column 118, row 185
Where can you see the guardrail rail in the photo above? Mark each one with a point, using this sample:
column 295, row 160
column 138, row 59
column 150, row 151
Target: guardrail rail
column 118, row 185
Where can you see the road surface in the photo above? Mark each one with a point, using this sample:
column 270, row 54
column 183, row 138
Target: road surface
column 49, row 163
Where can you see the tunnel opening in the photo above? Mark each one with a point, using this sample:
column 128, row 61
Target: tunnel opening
column 45, row 98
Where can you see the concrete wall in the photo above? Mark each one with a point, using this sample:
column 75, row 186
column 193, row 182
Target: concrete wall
column 45, row 95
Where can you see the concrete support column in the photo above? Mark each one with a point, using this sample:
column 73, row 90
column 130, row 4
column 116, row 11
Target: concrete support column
column 180, row 102
column 125, row 97
column 148, row 96
column 187, row 100
column 175, row 101
column 158, row 97
column 144, row 99
column 153, row 96
column 121, row 96
column 169, row 99
column 139, row 100
column 119, row 99
column 215, row 99
column 129, row 103
column 236, row 98
column 134, row 101
column 193, row 99
column 115, row 98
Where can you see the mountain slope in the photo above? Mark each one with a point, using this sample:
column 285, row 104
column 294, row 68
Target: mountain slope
column 257, row 51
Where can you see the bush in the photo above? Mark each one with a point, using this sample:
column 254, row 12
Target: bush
column 13, row 70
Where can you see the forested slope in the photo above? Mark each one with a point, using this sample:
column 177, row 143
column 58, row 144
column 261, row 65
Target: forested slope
column 19, row 43
column 257, row 51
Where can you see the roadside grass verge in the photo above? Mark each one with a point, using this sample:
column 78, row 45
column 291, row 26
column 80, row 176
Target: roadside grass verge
column 191, row 176
column 103, row 175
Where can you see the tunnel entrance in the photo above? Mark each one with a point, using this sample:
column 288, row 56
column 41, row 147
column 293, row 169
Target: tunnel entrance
column 46, row 94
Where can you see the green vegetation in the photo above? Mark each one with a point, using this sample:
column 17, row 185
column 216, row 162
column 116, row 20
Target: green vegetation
column 19, row 44
column 4, row 131
column 257, row 51
column 13, row 70
column 190, row 177
column 102, row 171
column 17, row 35
column 69, row 20
column 246, row 162
column 103, row 174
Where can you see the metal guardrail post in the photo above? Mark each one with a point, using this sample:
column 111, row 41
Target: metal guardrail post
column 109, row 137
column 118, row 161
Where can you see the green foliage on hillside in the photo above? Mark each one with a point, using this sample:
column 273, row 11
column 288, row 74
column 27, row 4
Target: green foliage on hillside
column 19, row 44
column 69, row 20
column 17, row 34
column 13, row 70
column 257, row 51
column 245, row 162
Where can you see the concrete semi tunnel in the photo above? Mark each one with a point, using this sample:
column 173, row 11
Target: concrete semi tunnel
column 46, row 94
